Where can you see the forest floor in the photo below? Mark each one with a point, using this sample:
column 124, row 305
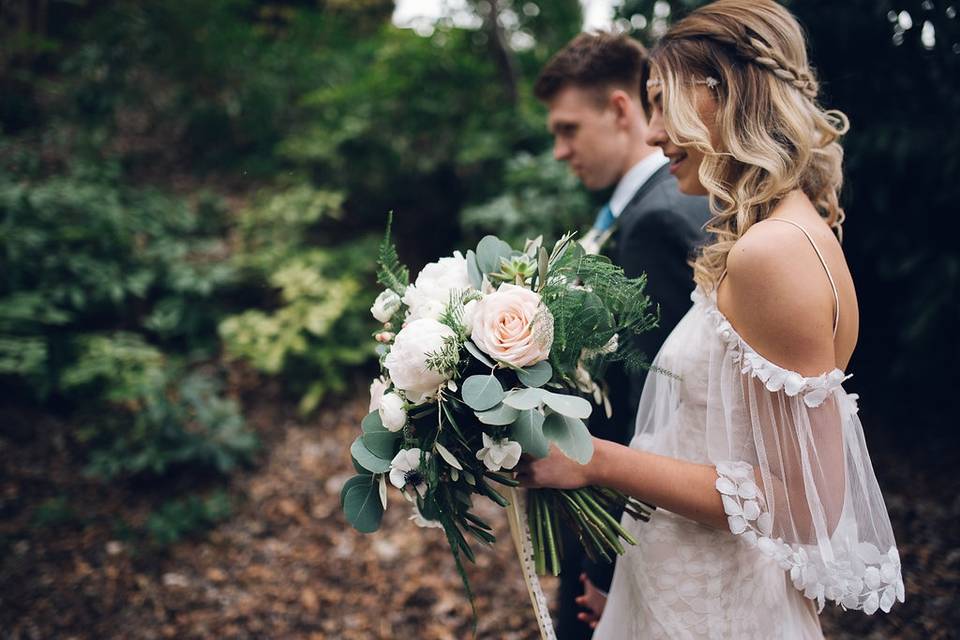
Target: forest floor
column 287, row 565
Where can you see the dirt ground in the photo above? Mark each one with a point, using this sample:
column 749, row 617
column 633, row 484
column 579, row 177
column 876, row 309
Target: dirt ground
column 287, row 565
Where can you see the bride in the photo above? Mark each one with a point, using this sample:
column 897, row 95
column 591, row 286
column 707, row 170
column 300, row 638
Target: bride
column 752, row 449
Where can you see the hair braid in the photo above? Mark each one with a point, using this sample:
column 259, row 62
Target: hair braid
column 767, row 56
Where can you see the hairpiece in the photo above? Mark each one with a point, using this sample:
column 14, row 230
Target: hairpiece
column 710, row 81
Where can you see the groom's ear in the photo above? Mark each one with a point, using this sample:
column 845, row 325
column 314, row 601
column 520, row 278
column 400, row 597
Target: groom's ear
column 622, row 104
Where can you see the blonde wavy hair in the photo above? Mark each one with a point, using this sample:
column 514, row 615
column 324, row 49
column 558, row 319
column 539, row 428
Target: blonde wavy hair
column 774, row 137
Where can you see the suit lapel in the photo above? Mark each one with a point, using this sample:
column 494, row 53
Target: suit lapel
column 661, row 174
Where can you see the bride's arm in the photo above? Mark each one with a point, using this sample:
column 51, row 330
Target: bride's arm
column 793, row 322
column 685, row 488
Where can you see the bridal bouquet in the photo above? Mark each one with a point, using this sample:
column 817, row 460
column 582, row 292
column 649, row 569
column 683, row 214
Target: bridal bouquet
column 486, row 357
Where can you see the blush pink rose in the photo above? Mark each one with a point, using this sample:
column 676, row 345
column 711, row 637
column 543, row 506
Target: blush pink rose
column 513, row 326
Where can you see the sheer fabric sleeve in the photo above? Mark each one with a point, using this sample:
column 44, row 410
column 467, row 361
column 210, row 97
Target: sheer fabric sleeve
column 795, row 477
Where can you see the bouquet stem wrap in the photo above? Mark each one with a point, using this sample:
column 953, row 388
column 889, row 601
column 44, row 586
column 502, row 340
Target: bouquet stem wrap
column 520, row 532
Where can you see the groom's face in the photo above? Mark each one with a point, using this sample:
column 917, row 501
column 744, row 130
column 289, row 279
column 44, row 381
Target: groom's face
column 588, row 135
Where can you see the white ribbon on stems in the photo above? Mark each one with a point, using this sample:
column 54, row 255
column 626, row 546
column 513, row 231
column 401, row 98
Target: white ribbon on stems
column 520, row 532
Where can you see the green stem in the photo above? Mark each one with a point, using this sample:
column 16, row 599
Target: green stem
column 551, row 542
column 609, row 518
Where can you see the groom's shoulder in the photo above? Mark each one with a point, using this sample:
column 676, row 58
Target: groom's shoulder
column 661, row 198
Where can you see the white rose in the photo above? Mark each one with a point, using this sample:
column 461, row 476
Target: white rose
column 377, row 387
column 393, row 414
column 511, row 325
column 499, row 454
column 407, row 360
column 386, row 304
column 429, row 295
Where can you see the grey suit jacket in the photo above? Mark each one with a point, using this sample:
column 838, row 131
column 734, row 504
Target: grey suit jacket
column 657, row 233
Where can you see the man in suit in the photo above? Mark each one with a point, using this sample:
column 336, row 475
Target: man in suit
column 591, row 88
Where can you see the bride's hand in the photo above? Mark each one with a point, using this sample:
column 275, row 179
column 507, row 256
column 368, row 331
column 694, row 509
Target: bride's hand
column 593, row 600
column 555, row 471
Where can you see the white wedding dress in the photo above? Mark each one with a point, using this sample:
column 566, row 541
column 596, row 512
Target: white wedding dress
column 807, row 522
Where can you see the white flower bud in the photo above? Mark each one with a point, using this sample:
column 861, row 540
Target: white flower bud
column 386, row 304
column 393, row 414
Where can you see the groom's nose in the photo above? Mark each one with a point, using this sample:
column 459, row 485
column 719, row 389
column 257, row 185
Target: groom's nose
column 561, row 150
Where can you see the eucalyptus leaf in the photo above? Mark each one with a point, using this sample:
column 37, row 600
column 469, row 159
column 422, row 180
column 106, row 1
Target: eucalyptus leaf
column 449, row 457
column 482, row 392
column 361, row 479
column 382, row 444
column 362, row 506
column 536, row 375
column 524, row 398
column 570, row 435
column 476, row 353
column 372, row 422
column 366, row 459
column 473, row 270
column 498, row 416
column 489, row 251
column 569, row 405
column 528, row 431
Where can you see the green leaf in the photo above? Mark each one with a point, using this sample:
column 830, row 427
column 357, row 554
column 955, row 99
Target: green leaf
column 524, row 398
column 536, row 375
column 528, row 431
column 356, row 466
column 571, row 435
column 569, row 405
column 356, row 480
column 449, row 457
column 499, row 415
column 476, row 353
column 489, row 252
column 362, row 506
column 382, row 444
column 366, row 459
column 372, row 423
column 543, row 262
column 482, row 392
column 473, row 270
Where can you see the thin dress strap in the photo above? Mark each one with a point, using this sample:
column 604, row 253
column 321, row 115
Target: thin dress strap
column 833, row 285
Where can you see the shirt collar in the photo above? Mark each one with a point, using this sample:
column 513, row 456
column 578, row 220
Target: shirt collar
column 633, row 179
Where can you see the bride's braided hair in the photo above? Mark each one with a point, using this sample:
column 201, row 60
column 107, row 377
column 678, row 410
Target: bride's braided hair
column 773, row 135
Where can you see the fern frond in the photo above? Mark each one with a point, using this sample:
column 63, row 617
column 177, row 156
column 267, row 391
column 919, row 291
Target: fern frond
column 391, row 274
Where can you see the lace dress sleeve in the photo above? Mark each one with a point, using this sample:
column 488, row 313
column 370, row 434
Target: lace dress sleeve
column 795, row 477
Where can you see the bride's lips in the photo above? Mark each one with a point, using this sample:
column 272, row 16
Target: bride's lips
column 676, row 160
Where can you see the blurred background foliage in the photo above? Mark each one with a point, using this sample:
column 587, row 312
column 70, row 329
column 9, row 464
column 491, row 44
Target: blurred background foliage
column 196, row 187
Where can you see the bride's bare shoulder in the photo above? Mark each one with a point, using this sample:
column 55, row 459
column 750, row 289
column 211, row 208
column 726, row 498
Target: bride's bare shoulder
column 775, row 298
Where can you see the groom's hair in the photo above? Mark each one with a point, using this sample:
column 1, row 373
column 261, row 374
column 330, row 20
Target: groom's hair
column 599, row 61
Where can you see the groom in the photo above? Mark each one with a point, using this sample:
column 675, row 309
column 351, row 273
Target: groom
column 591, row 89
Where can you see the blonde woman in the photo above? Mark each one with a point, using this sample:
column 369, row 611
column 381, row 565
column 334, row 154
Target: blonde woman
column 769, row 508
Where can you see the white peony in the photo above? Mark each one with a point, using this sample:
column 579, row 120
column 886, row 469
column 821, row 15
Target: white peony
column 429, row 295
column 407, row 360
column 393, row 414
column 499, row 454
column 386, row 304
column 511, row 325
column 405, row 471
column 377, row 389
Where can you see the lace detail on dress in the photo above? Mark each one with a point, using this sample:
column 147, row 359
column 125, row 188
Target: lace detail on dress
column 860, row 578
column 813, row 390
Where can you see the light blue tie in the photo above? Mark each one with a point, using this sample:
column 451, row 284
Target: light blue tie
column 605, row 219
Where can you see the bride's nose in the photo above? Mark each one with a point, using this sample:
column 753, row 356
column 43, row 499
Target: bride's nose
column 656, row 132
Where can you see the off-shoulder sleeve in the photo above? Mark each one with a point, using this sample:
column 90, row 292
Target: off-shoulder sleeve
column 795, row 477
